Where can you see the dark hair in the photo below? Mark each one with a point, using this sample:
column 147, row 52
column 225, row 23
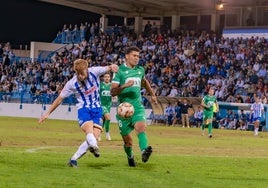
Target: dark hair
column 131, row 49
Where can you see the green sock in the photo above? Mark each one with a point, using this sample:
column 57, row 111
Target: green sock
column 128, row 151
column 209, row 128
column 203, row 127
column 107, row 125
column 143, row 141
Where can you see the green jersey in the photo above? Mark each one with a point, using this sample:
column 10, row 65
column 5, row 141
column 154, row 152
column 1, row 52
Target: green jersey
column 105, row 94
column 209, row 100
column 131, row 94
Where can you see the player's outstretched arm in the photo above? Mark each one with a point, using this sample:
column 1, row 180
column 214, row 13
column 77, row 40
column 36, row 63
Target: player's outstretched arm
column 113, row 68
column 145, row 83
column 53, row 106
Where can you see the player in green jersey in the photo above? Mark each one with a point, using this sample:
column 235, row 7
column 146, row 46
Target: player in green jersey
column 209, row 102
column 106, row 101
column 126, row 84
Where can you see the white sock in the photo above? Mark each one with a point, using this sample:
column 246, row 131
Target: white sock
column 81, row 151
column 91, row 140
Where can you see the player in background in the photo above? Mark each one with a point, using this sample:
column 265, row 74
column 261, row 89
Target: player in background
column 126, row 84
column 198, row 116
column 85, row 86
column 169, row 113
column 256, row 112
column 106, row 102
column 210, row 105
column 177, row 116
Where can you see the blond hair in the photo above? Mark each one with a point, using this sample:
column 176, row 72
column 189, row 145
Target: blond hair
column 80, row 64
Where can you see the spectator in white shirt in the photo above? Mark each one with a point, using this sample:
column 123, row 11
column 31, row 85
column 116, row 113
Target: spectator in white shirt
column 173, row 92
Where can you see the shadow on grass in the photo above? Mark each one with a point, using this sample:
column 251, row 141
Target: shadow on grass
column 99, row 165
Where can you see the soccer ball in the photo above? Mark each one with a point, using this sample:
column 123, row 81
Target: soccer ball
column 125, row 110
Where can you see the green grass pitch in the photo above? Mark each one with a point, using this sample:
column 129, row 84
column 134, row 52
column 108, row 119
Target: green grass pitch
column 33, row 155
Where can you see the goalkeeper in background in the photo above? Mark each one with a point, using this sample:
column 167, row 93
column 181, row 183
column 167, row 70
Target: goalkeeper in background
column 210, row 105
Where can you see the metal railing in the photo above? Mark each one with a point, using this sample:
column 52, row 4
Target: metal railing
column 29, row 98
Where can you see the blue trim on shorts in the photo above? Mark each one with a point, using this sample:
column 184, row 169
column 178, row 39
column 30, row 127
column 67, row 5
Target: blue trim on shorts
column 256, row 119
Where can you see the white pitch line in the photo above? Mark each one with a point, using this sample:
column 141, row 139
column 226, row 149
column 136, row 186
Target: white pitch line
column 32, row 150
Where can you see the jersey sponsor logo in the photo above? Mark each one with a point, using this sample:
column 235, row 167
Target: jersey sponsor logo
column 90, row 90
column 106, row 93
column 137, row 81
column 210, row 103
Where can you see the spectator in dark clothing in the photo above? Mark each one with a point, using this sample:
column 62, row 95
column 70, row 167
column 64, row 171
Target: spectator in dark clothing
column 184, row 113
column 148, row 29
column 177, row 116
column 1, row 51
column 6, row 60
column 239, row 99
column 32, row 92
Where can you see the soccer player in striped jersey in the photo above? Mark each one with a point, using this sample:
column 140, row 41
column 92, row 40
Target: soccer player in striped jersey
column 256, row 112
column 85, row 86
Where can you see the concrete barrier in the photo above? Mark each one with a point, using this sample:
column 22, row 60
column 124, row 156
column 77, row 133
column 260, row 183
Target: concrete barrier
column 63, row 112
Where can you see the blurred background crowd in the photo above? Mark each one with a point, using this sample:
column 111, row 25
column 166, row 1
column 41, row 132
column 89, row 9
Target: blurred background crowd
column 182, row 63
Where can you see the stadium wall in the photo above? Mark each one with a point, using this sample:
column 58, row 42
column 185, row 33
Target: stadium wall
column 69, row 112
column 63, row 112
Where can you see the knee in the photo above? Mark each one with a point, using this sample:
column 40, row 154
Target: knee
column 128, row 143
column 141, row 129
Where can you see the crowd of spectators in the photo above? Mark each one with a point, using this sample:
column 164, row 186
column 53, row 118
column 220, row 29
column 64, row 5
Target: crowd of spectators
column 182, row 63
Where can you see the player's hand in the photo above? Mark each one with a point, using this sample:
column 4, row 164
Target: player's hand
column 208, row 105
column 114, row 67
column 42, row 118
column 129, row 83
column 154, row 99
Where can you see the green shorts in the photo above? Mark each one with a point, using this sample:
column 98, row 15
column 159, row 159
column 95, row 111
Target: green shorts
column 127, row 125
column 208, row 115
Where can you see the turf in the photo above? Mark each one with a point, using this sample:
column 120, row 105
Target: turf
column 33, row 155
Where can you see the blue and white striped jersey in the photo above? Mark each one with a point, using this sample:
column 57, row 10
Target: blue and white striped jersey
column 169, row 110
column 87, row 93
column 257, row 109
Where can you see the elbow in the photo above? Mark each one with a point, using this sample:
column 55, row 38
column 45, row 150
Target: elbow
column 113, row 93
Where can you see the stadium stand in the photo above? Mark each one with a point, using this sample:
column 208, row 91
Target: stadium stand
column 188, row 61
